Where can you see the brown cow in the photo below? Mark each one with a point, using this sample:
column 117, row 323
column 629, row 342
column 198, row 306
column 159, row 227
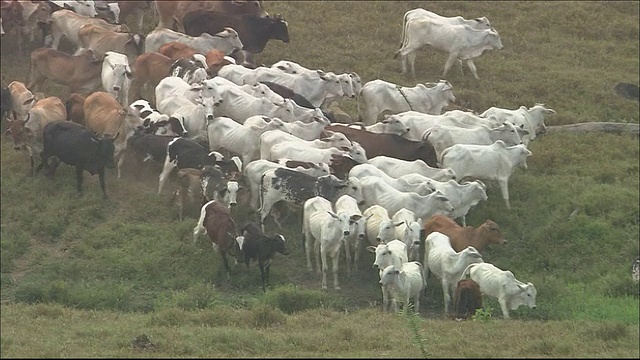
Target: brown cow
column 215, row 59
column 106, row 117
column 148, row 69
column 75, row 108
column 189, row 190
column 81, row 73
column 101, row 40
column 27, row 134
column 461, row 237
column 22, row 100
column 466, row 299
column 217, row 222
column 135, row 10
column 172, row 12
column 340, row 166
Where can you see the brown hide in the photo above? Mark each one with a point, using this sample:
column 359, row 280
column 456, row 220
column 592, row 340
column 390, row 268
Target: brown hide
column 467, row 298
column 75, row 108
column 461, row 237
column 149, row 68
column 81, row 73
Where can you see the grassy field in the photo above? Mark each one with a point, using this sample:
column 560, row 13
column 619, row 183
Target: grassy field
column 82, row 277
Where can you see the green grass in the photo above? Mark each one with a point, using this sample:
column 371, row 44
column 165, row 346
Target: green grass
column 108, row 271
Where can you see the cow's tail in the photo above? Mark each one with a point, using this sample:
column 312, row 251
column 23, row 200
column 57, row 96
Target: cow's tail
column 261, row 194
column 403, row 36
column 465, row 273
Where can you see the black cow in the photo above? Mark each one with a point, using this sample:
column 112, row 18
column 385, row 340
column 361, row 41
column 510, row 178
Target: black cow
column 392, row 145
column 257, row 246
column 185, row 153
column 295, row 188
column 77, row 146
column 254, row 32
column 5, row 102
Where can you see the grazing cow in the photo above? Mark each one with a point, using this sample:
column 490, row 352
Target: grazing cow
column 397, row 167
column 294, row 187
column 172, row 13
column 402, row 284
column 502, row 285
column 81, row 73
column 75, row 108
column 376, row 191
column 104, row 115
column 493, row 162
column 390, row 145
column 116, row 76
column 467, row 299
column 22, row 100
column 260, row 247
column 380, row 96
column 224, row 132
column 357, row 228
column 531, row 119
column 67, row 24
column 324, row 232
column 101, row 40
column 460, row 41
column 443, row 137
column 635, row 269
column 254, row 31
column 28, row 133
column 184, row 153
column 77, row 146
column 460, row 237
column 447, row 264
column 157, row 123
column 253, row 173
column 216, row 221
column 226, row 41
column 418, row 13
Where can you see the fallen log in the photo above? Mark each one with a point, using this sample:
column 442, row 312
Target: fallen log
column 608, row 127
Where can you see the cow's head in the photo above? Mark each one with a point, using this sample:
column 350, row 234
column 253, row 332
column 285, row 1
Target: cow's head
column 490, row 232
column 387, row 230
column 278, row 244
column 527, row 296
column 20, row 134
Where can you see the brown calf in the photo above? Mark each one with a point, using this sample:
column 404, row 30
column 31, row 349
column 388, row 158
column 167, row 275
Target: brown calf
column 217, row 222
column 466, row 299
column 461, row 237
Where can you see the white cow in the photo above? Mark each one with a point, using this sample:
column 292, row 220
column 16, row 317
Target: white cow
column 462, row 196
column 419, row 13
column 493, row 162
column 402, row 284
column 67, row 24
column 376, row 191
column 226, row 41
column 377, row 215
column 195, row 116
column 81, row 7
column 345, row 80
column 239, row 105
column 116, row 76
column 393, row 253
column 418, row 122
column 442, row 137
column 175, row 86
column 379, row 96
column 272, row 138
column 224, row 132
column 502, row 285
column 357, row 228
column 324, row 232
column 408, row 229
column 295, row 151
column 315, row 87
column 531, row 119
column 253, row 173
column 397, row 167
column 367, row 170
column 460, row 41
column 447, row 264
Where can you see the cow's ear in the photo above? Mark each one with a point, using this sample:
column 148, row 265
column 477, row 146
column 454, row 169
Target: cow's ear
column 7, row 132
column 129, row 75
column 371, row 248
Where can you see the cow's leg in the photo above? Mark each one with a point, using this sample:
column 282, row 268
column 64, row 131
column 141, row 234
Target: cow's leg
column 309, row 248
column 357, row 251
column 416, row 305
column 385, row 299
column 102, row 185
column 347, row 256
column 139, row 21
column 44, row 159
column 447, row 66
column 120, row 156
column 323, row 255
column 225, row 261
column 403, row 61
column 32, row 161
column 412, row 61
column 504, row 308
column 473, row 69
column 447, row 295
column 166, row 171
column 504, row 189
column 79, row 178
column 335, row 257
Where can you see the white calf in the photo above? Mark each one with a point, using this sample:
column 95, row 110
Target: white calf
column 402, row 284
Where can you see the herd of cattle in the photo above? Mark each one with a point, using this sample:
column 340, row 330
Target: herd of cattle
column 267, row 137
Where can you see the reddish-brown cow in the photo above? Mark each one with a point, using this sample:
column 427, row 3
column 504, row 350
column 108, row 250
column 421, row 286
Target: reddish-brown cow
column 466, row 299
column 75, row 108
column 461, row 237
column 148, row 69
column 217, row 222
